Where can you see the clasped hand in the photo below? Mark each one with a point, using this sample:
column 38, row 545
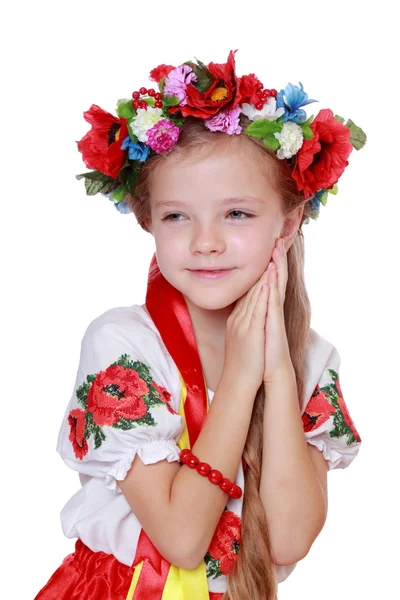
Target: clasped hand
column 256, row 340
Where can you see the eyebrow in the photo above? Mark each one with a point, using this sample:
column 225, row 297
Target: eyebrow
column 224, row 202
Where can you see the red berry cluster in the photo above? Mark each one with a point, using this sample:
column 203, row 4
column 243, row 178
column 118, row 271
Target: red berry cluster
column 137, row 103
column 234, row 491
column 263, row 95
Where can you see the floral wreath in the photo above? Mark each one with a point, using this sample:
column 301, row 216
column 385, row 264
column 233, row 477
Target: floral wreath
column 150, row 122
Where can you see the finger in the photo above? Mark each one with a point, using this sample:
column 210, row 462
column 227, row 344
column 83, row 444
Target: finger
column 280, row 259
column 249, row 299
column 274, row 299
column 258, row 316
column 254, row 298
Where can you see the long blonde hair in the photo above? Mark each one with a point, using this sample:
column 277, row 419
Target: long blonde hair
column 253, row 574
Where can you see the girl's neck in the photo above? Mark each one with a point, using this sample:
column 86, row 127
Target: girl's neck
column 209, row 325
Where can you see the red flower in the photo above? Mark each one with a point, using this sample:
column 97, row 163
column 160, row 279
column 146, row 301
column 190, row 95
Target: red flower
column 159, row 72
column 222, row 94
column 129, row 404
column 226, row 540
column 321, row 161
column 247, row 89
column 165, row 396
column 101, row 146
column 77, row 423
column 345, row 412
column 317, row 411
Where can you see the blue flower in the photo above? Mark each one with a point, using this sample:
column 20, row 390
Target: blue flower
column 123, row 206
column 291, row 99
column 137, row 151
column 315, row 203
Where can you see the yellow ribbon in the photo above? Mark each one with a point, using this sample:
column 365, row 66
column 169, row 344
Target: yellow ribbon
column 181, row 584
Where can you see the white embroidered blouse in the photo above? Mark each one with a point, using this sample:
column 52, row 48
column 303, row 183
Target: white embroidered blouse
column 125, row 402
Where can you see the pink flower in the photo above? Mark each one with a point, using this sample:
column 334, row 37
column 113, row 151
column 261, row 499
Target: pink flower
column 226, row 121
column 162, row 136
column 176, row 82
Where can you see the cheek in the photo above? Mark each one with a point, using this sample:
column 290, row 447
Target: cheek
column 256, row 246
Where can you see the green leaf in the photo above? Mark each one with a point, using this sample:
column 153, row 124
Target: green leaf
column 357, row 136
column 119, row 194
column 125, row 109
column 337, row 118
column 150, row 101
column 132, row 178
column 204, row 76
column 324, row 198
column 307, row 131
column 170, row 101
column 96, row 182
column 271, row 142
column 133, row 137
column 334, row 189
column 264, row 127
column 161, row 84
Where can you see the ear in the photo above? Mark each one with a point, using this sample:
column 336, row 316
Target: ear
column 147, row 223
column 291, row 225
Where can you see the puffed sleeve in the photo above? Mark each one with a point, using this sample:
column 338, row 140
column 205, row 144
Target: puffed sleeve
column 125, row 402
column 326, row 419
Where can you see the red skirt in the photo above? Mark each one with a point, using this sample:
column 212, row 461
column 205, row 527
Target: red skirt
column 88, row 575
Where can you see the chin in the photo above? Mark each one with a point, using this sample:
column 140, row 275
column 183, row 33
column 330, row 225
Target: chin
column 210, row 299
column 213, row 297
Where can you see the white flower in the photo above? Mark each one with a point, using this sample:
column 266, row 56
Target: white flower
column 145, row 119
column 290, row 139
column 268, row 111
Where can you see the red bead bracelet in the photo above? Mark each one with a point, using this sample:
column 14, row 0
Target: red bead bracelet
column 232, row 489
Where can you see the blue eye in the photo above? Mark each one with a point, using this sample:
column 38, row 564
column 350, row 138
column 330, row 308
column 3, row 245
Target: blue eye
column 168, row 217
column 242, row 213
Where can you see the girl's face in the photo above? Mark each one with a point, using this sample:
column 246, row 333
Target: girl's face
column 219, row 211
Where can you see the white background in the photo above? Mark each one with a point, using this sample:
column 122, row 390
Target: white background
column 67, row 257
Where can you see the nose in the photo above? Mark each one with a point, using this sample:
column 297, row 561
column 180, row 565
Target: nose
column 207, row 239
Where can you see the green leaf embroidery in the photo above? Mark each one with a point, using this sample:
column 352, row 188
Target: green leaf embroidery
column 337, row 118
column 340, row 427
column 212, row 566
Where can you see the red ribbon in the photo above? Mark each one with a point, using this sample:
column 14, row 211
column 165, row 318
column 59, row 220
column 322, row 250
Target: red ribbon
column 168, row 310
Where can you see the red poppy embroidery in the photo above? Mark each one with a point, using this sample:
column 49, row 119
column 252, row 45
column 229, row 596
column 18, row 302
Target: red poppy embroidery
column 317, row 411
column 117, row 392
column 77, row 423
column 224, row 545
column 325, row 402
column 165, row 396
column 120, row 396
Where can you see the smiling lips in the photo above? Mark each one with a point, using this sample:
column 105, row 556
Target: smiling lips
column 211, row 273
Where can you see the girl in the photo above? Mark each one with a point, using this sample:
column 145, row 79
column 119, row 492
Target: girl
column 203, row 422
